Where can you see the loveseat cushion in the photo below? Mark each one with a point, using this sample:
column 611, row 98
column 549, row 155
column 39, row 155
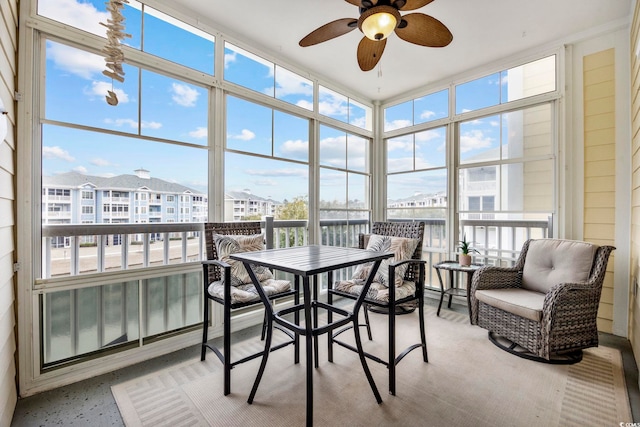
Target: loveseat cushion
column 377, row 291
column 550, row 262
column 521, row 302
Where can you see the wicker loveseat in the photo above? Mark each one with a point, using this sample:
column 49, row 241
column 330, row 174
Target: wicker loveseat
column 545, row 307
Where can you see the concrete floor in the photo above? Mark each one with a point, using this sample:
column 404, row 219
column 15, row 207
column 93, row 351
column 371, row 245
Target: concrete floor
column 90, row 402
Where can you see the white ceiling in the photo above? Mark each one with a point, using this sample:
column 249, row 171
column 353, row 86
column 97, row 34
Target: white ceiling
column 483, row 32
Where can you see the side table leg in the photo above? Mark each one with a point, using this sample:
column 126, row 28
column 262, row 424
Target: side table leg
column 441, row 291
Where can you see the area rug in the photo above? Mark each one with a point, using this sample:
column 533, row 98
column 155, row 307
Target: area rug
column 467, row 382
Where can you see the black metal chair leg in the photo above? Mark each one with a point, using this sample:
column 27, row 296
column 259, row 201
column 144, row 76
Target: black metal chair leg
column 205, row 329
column 366, row 321
column 227, row 350
column 423, row 336
column 264, row 326
column 263, row 364
column 392, row 346
column 363, row 361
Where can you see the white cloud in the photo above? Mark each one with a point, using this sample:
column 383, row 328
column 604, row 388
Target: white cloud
column 404, row 143
column 297, row 149
column 305, row 104
column 494, row 123
column 75, row 61
column 101, row 88
column 288, row 83
column 474, row 140
column 81, row 169
column 133, row 124
column 81, row 15
column 428, row 135
column 100, row 162
column 427, row 114
column 184, row 95
column 397, row 124
column 245, row 135
column 57, row 153
column 278, row 172
column 230, row 58
column 401, row 164
column 199, row 133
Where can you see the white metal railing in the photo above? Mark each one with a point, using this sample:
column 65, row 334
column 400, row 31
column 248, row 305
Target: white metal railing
column 139, row 303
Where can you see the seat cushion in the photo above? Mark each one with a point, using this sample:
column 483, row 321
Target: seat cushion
column 402, row 248
column 521, row 302
column 247, row 292
column 550, row 262
column 377, row 291
column 228, row 244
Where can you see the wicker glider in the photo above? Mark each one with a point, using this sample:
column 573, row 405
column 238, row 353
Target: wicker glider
column 232, row 293
column 405, row 277
column 545, row 307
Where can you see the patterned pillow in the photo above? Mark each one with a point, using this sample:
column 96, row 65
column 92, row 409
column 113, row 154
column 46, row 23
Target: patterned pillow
column 402, row 248
column 228, row 244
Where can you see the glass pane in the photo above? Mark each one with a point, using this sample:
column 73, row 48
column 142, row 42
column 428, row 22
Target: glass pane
column 248, row 70
column 417, row 194
column 358, row 191
column 249, row 127
column 357, row 153
column 530, row 79
column 85, row 320
column 475, row 184
column 87, row 15
column 193, row 299
column 333, row 147
column 175, row 301
column 360, row 115
column 291, row 136
column 527, row 133
column 75, row 90
column 332, row 104
column 167, row 37
column 480, row 140
column 399, row 116
column 529, row 186
column 72, row 158
column 294, row 89
column 431, row 148
column 272, row 183
column 479, row 93
column 400, row 154
column 431, row 107
column 155, row 307
column 173, row 109
column 333, row 189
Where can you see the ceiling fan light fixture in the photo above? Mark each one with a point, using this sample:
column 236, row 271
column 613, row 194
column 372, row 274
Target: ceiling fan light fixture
column 379, row 22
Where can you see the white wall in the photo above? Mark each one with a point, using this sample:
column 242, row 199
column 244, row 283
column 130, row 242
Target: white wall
column 8, row 49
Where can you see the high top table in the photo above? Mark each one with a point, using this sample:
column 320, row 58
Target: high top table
column 307, row 262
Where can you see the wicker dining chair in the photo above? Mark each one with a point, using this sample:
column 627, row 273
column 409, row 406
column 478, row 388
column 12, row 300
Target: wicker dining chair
column 407, row 286
column 221, row 286
column 545, row 307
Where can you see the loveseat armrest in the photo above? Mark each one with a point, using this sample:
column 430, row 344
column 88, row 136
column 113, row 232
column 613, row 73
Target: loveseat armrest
column 491, row 277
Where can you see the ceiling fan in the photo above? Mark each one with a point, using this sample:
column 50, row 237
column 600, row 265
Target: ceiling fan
column 378, row 19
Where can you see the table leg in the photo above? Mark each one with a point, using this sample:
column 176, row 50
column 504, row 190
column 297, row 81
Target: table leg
column 451, row 286
column 441, row 290
column 469, row 280
column 309, row 347
column 315, row 321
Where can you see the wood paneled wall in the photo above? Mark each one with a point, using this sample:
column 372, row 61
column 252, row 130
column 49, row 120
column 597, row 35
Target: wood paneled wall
column 634, row 302
column 8, row 72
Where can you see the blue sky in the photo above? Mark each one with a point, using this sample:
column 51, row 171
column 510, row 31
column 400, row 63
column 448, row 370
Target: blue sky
column 170, row 109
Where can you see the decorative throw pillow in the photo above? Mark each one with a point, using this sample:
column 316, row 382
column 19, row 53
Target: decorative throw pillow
column 402, row 248
column 228, row 244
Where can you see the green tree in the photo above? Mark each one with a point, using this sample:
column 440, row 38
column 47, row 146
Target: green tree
column 296, row 209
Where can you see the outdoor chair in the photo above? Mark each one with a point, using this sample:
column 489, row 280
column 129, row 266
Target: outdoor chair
column 399, row 280
column 227, row 282
column 545, row 307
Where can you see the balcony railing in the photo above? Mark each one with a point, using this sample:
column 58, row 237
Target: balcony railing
column 138, row 305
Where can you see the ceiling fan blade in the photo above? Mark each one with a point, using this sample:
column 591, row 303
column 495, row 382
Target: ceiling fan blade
column 424, row 30
column 329, row 31
column 370, row 52
column 411, row 4
column 359, row 2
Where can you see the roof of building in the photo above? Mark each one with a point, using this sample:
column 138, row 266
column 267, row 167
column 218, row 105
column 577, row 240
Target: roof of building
column 119, row 182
